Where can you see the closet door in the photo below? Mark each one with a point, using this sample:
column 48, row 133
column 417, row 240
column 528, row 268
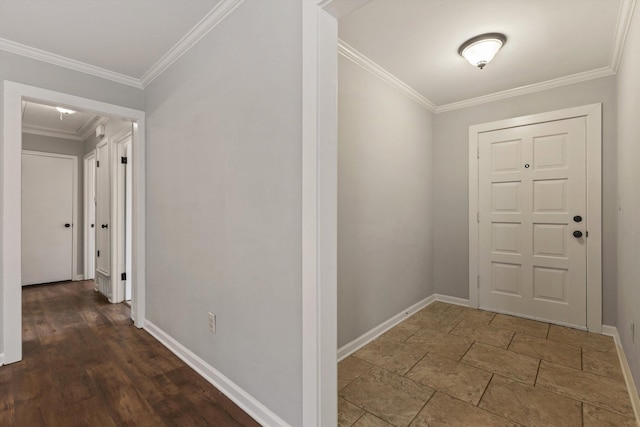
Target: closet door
column 103, row 209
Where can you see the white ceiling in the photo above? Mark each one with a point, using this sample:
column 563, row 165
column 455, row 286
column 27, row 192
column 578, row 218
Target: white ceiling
column 123, row 36
column 417, row 41
column 412, row 44
column 40, row 119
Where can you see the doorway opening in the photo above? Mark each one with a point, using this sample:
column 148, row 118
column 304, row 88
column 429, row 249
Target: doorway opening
column 11, row 279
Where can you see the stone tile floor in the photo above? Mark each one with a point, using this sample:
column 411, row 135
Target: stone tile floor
column 449, row 365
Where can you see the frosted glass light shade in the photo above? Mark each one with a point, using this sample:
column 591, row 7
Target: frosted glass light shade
column 65, row 110
column 481, row 49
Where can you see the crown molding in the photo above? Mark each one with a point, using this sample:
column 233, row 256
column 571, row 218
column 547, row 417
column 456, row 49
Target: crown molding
column 622, row 28
column 35, row 130
column 206, row 24
column 91, row 129
column 358, row 58
column 523, row 90
column 62, row 61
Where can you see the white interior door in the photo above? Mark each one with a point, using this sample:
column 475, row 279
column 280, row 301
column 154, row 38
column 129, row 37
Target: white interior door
column 90, row 216
column 47, row 217
column 532, row 207
column 103, row 210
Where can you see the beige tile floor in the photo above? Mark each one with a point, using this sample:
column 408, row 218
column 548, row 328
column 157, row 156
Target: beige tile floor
column 449, row 365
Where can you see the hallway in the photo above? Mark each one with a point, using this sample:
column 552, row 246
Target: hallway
column 86, row 365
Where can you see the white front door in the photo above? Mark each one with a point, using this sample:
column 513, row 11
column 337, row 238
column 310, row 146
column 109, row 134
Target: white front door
column 47, row 218
column 532, row 207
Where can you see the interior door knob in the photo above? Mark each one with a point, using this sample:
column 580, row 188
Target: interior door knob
column 577, row 218
column 67, row 225
column 105, row 225
column 577, row 234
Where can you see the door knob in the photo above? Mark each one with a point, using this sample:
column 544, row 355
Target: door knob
column 577, row 234
column 91, row 225
column 105, row 225
column 67, row 225
column 577, row 218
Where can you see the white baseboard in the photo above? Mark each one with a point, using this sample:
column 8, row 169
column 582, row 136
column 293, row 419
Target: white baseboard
column 1, row 359
column 612, row 331
column 244, row 400
column 364, row 339
column 452, row 300
column 78, row 277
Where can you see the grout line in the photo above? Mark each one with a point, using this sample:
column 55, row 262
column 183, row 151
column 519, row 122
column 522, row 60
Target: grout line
column 582, row 413
column 511, row 340
column 414, row 365
column 581, row 359
column 535, row 380
column 485, row 389
column 423, row 406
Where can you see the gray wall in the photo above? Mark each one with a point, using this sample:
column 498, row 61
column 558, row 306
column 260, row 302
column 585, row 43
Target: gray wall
column 451, row 180
column 36, row 73
column 50, row 144
column 385, row 260
column 629, row 202
column 224, row 201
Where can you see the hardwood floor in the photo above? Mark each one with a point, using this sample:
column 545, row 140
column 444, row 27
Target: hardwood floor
column 85, row 364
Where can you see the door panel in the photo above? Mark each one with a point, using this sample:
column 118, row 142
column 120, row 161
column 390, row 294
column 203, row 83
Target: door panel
column 532, row 181
column 103, row 210
column 47, row 206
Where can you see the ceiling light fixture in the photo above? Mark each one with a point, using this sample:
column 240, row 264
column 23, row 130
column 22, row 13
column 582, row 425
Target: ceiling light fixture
column 64, row 111
column 481, row 49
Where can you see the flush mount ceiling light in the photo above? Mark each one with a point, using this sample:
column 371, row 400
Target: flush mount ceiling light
column 481, row 49
column 64, row 111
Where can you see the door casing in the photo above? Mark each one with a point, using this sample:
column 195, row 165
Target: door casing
column 10, row 277
column 89, row 189
column 593, row 115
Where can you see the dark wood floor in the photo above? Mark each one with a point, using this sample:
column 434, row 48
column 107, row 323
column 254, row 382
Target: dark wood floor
column 85, row 364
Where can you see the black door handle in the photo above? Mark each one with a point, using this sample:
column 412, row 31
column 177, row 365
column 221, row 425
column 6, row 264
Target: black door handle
column 67, row 225
column 91, row 225
column 577, row 218
column 577, row 234
column 105, row 225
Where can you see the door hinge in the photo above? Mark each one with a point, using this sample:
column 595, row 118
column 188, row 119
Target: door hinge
column 478, row 280
column 97, row 163
column 123, row 160
column 123, row 276
column 98, row 253
column 478, row 217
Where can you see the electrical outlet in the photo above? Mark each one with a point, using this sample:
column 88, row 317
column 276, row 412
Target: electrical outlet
column 212, row 322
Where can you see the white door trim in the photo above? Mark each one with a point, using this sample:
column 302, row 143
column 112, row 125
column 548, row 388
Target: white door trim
column 117, row 183
column 10, row 278
column 89, row 198
column 593, row 114
column 74, row 211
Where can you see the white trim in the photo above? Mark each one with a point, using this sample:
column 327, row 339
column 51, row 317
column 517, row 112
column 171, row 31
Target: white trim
column 358, row 58
column 244, row 400
column 1, row 359
column 452, row 300
column 612, row 331
column 71, row 64
column 206, row 24
column 523, row 90
column 74, row 204
column 88, row 158
column 364, row 339
column 319, row 215
column 10, row 279
column 78, row 277
column 625, row 14
column 33, row 130
column 92, row 129
column 593, row 114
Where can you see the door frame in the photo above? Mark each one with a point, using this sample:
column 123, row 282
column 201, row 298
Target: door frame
column 74, row 208
column 89, row 166
column 10, row 278
column 593, row 115
column 118, row 214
